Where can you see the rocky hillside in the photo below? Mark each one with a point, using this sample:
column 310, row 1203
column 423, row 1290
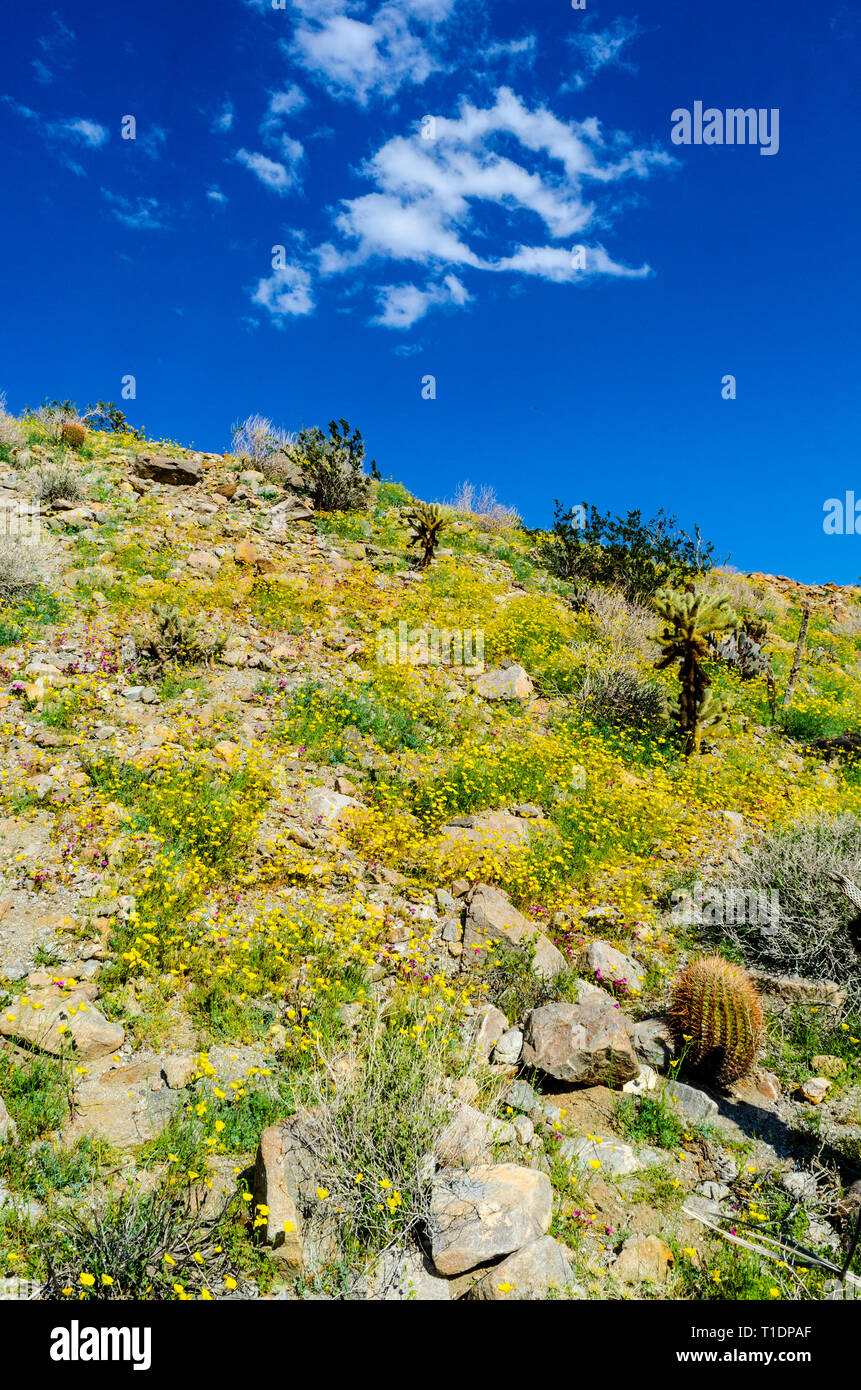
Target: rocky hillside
column 330, row 967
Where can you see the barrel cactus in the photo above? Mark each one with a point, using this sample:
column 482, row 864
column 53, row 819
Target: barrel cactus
column 74, row 433
column 716, row 1019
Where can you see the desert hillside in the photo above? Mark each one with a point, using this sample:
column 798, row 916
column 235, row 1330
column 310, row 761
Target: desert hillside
column 358, row 855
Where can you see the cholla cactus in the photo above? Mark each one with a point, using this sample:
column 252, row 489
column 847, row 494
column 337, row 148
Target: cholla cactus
column 689, row 619
column 427, row 522
column 179, row 641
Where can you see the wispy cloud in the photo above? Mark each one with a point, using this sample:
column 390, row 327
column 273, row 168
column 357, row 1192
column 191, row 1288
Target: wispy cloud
column 514, row 50
column 145, row 214
column 76, row 129
column 53, row 47
column 223, row 120
column 215, row 195
column 601, row 48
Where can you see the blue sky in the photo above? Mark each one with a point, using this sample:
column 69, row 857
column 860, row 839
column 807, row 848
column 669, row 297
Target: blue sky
column 448, row 248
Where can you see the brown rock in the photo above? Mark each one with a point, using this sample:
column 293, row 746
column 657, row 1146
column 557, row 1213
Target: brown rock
column 582, row 1044
column 643, row 1258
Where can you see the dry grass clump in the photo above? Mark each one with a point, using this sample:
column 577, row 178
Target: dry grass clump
column 625, row 630
column 51, row 481
column 805, row 930
column 481, row 506
column 257, row 439
column 12, row 432
column 20, row 575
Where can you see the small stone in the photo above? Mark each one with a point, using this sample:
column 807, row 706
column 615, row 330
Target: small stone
column 648, row 1080
column 486, row 1029
column 768, row 1085
column 514, row 683
column 693, row 1104
column 178, row 1071
column 815, row 1089
column 827, row 1065
column 509, row 1047
column 521, row 1096
column 523, row 1128
column 643, row 1258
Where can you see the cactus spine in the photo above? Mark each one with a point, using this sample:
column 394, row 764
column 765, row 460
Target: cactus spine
column 716, row 1018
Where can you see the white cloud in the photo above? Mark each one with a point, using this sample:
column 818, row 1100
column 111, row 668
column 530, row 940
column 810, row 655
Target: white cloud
column 372, row 56
column 216, row 195
column 282, row 104
column 274, row 175
column 144, row 214
column 403, row 305
column 88, row 132
column 503, row 189
column 286, row 293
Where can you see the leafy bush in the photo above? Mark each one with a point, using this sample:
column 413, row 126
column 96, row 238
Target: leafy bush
column 391, row 494
column 319, row 718
column 334, row 467
column 637, row 556
column 145, row 1246
column 392, row 1104
column 807, row 934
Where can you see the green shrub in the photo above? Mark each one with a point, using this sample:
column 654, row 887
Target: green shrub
column 627, row 552
column 334, row 467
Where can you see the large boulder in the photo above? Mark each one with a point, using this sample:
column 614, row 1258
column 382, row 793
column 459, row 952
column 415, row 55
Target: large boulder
column 512, row 683
column 53, row 1020
column 482, row 1213
column 290, row 1165
column 583, row 1044
column 491, row 917
column 529, row 1273
column 177, row 472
